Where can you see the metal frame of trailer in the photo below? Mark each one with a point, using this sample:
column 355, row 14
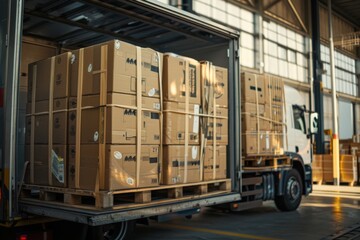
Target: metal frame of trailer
column 187, row 32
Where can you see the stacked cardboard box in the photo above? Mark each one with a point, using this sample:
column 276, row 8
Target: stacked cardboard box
column 214, row 124
column 96, row 123
column 262, row 114
column 348, row 168
column 46, row 122
column 99, row 120
column 181, row 84
column 113, row 100
column 317, row 168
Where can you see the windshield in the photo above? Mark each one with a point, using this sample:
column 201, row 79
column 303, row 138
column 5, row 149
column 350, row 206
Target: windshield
column 299, row 120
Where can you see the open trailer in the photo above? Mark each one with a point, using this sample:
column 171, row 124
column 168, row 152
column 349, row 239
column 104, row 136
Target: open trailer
column 79, row 23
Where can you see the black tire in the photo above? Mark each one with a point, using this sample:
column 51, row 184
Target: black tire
column 117, row 231
column 291, row 199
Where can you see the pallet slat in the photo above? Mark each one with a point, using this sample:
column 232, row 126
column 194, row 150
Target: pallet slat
column 266, row 161
column 133, row 197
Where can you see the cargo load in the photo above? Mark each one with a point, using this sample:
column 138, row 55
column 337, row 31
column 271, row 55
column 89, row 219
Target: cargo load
column 262, row 108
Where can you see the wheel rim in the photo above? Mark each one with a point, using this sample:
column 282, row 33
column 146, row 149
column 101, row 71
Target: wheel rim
column 115, row 231
column 293, row 189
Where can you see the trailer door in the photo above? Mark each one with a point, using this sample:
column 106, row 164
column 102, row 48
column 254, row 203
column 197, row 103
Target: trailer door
column 10, row 39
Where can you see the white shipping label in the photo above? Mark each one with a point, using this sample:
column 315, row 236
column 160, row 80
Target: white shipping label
column 157, row 106
column 57, row 166
column 130, row 181
column 90, row 68
column 96, row 136
column 267, row 141
column 117, row 155
column 117, row 44
column 73, row 58
column 152, row 92
column 194, row 152
column 196, row 119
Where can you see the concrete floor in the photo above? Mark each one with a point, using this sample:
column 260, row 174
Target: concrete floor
column 316, row 218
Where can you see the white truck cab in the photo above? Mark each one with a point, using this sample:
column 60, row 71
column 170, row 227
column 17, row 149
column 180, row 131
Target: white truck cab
column 298, row 137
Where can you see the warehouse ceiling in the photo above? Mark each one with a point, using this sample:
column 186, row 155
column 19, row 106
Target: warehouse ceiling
column 81, row 23
column 350, row 9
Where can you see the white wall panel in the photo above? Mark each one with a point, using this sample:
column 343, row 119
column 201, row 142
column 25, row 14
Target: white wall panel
column 346, row 125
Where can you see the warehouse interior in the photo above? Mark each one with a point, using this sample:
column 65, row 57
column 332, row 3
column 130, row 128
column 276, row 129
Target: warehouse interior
column 294, row 42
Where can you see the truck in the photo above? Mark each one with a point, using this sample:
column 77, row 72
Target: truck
column 74, row 24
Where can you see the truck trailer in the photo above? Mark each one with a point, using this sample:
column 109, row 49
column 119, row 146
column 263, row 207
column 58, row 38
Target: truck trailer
column 72, row 24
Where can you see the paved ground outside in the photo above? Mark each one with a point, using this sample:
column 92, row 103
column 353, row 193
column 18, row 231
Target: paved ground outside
column 317, row 217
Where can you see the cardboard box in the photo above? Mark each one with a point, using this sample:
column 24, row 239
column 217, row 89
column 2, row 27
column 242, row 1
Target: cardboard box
column 219, row 83
column 277, row 143
column 317, row 168
column 274, row 90
column 277, row 115
column 328, row 168
column 57, row 169
column 118, row 61
column 174, row 123
column 56, row 68
column 31, row 52
column 120, row 167
column 174, row 164
column 257, row 143
column 219, row 165
column 348, row 169
column 121, row 120
column 59, row 125
column 249, row 119
column 252, row 88
column 174, row 88
column 221, row 126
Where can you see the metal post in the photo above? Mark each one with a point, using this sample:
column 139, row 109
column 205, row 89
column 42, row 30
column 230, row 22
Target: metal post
column 317, row 71
column 335, row 137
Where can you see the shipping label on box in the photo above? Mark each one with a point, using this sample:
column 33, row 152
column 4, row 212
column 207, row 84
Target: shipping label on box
column 174, row 82
column 174, row 170
column 58, row 164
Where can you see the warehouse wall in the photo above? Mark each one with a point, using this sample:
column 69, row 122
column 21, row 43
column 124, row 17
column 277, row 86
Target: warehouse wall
column 235, row 17
column 286, row 46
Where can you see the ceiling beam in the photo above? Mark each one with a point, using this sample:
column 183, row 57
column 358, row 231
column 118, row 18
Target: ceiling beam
column 297, row 16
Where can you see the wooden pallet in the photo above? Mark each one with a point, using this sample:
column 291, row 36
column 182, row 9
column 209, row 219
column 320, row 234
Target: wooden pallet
column 266, row 161
column 125, row 198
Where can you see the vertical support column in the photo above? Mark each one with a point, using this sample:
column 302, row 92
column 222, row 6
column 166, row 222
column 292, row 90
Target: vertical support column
column 259, row 31
column 318, row 87
column 335, row 136
column 12, row 46
column 234, row 148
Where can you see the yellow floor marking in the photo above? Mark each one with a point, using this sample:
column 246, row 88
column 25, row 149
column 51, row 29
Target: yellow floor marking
column 218, row 232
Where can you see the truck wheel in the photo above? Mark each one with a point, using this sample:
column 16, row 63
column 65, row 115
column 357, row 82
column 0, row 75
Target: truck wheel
column 291, row 199
column 116, row 231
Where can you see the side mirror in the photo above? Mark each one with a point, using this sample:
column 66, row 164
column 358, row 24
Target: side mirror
column 314, row 123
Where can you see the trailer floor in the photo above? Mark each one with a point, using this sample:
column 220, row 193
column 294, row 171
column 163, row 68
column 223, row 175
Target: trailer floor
column 318, row 217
